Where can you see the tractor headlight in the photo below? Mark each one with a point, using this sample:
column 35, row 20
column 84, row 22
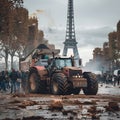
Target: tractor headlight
column 79, row 76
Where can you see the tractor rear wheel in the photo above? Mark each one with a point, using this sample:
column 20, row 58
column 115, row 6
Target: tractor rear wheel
column 92, row 84
column 35, row 85
column 60, row 85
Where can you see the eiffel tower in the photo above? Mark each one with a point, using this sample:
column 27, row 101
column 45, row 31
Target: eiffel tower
column 70, row 39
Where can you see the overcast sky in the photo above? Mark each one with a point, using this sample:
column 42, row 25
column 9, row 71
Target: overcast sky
column 94, row 19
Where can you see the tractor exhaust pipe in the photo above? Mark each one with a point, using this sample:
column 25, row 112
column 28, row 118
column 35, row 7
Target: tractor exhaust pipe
column 53, row 54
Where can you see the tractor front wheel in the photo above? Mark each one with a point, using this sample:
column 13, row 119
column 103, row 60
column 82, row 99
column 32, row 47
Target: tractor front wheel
column 59, row 85
column 92, row 84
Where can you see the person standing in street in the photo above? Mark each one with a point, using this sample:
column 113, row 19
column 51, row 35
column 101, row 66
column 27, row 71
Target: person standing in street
column 118, row 80
column 13, row 77
column 2, row 81
column 19, row 80
column 7, row 79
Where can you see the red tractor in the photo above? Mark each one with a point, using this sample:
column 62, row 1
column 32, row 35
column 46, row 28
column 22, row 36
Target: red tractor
column 59, row 76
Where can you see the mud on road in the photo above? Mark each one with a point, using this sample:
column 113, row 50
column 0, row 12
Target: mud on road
column 103, row 106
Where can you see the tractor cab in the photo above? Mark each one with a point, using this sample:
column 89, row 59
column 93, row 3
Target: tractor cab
column 60, row 63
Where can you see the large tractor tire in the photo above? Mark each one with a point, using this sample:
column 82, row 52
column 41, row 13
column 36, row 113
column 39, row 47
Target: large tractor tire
column 70, row 88
column 35, row 85
column 60, row 84
column 92, row 84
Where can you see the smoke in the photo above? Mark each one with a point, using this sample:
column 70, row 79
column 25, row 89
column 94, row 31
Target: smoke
column 36, row 13
column 40, row 11
column 44, row 15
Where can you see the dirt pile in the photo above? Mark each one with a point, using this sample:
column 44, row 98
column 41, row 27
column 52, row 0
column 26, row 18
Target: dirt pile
column 56, row 105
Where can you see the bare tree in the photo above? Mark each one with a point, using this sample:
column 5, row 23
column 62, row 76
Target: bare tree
column 20, row 32
column 6, row 7
column 13, row 27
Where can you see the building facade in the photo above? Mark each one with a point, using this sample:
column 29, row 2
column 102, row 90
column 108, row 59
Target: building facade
column 107, row 59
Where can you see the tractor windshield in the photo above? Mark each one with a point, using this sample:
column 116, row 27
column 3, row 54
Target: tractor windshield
column 60, row 63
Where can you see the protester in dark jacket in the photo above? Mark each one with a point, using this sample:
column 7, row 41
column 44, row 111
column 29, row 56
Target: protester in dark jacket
column 19, row 80
column 7, row 79
column 2, row 79
column 118, row 79
column 13, row 77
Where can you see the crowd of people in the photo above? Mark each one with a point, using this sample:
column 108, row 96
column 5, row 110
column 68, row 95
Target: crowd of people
column 109, row 79
column 13, row 81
